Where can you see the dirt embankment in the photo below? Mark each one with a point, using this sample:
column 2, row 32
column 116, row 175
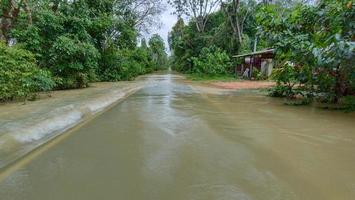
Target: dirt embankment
column 237, row 85
column 222, row 87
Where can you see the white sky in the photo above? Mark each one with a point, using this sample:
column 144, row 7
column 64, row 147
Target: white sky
column 167, row 21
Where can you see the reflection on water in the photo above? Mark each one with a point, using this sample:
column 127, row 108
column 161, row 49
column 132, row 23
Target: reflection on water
column 172, row 141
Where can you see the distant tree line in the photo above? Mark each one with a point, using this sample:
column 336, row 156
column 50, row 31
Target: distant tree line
column 63, row 44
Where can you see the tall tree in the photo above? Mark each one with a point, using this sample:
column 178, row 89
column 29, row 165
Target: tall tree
column 237, row 15
column 144, row 44
column 199, row 10
column 157, row 47
column 9, row 13
column 143, row 13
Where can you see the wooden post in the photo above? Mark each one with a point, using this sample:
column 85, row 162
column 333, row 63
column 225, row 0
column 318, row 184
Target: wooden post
column 236, row 71
column 251, row 66
column 242, row 68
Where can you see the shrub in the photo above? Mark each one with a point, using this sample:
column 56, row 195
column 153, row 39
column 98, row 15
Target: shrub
column 29, row 39
column 124, row 64
column 348, row 102
column 128, row 67
column 286, row 76
column 279, row 91
column 19, row 75
column 142, row 56
column 258, row 75
column 211, row 61
column 73, row 62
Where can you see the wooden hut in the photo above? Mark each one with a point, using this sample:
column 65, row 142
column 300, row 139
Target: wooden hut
column 261, row 60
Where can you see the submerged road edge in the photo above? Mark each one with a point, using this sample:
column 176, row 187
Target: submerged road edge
column 76, row 117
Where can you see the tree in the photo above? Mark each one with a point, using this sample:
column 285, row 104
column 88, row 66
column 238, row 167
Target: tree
column 237, row 14
column 157, row 48
column 146, row 13
column 20, row 77
column 198, row 9
column 144, row 44
column 9, row 13
column 319, row 42
column 211, row 61
column 334, row 46
column 142, row 13
column 176, row 35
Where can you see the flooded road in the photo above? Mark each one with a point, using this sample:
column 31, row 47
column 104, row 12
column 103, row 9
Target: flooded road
column 172, row 141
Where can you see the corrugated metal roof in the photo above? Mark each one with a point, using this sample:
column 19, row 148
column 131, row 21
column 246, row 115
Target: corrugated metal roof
column 255, row 53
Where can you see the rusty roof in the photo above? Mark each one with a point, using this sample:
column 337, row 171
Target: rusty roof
column 255, row 53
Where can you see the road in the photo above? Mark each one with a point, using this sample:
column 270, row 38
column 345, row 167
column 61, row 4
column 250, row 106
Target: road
column 172, row 141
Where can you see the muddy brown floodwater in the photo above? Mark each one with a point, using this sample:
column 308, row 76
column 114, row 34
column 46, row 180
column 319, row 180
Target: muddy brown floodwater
column 173, row 141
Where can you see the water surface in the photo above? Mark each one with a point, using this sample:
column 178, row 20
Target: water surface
column 173, row 141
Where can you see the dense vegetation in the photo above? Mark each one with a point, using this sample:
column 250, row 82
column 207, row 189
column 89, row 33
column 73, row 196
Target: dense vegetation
column 62, row 44
column 229, row 30
column 314, row 42
column 20, row 75
column 315, row 48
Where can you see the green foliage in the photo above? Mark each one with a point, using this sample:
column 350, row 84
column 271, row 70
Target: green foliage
column 245, row 45
column 74, row 62
column 280, row 91
column 348, row 103
column 187, row 42
column 158, row 54
column 81, row 41
column 129, row 64
column 318, row 40
column 128, row 35
column 314, row 43
column 211, row 61
column 125, row 64
column 19, row 75
column 285, row 75
column 258, row 75
column 30, row 39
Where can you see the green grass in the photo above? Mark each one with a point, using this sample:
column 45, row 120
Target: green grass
column 201, row 77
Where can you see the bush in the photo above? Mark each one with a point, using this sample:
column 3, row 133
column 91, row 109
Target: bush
column 129, row 67
column 286, row 76
column 348, row 102
column 143, row 57
column 30, row 40
column 211, row 61
column 124, row 64
column 73, row 62
column 279, row 91
column 19, row 75
column 258, row 75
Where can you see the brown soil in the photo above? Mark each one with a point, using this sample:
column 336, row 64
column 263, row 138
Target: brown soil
column 243, row 84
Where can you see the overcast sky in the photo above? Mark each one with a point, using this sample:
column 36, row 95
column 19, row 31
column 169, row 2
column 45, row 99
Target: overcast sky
column 167, row 21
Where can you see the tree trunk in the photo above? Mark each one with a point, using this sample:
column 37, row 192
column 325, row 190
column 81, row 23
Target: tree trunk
column 255, row 44
column 200, row 24
column 28, row 12
column 240, row 36
column 9, row 17
column 234, row 19
column 339, row 88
